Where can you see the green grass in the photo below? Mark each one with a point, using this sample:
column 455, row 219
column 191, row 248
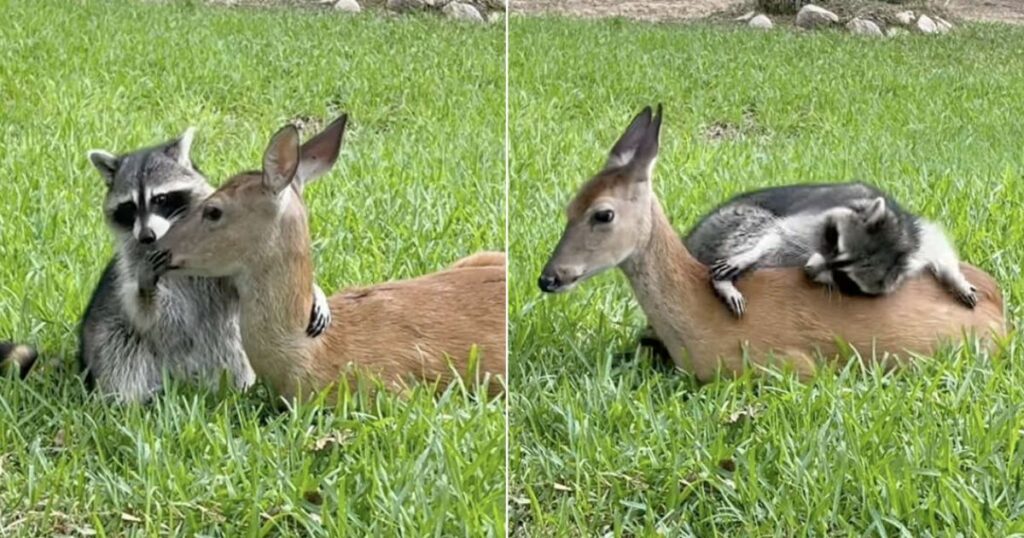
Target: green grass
column 626, row 446
column 420, row 184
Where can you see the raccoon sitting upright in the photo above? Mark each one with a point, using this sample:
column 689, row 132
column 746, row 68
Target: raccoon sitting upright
column 851, row 236
column 135, row 326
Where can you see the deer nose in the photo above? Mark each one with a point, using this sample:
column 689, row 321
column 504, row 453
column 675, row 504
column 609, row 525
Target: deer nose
column 147, row 236
column 548, row 283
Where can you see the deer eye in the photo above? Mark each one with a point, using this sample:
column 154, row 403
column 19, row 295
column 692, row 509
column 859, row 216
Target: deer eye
column 604, row 216
column 212, row 213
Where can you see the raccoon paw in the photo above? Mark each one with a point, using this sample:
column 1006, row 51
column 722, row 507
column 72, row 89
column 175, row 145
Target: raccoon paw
column 159, row 261
column 968, row 296
column 726, row 269
column 731, row 296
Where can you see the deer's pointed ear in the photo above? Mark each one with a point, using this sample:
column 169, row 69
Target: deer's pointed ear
column 105, row 163
column 281, row 159
column 319, row 153
column 637, row 148
column 181, row 149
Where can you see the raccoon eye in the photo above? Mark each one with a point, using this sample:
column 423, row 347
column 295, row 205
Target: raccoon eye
column 124, row 214
column 170, row 204
column 212, row 213
column 831, row 237
column 604, row 216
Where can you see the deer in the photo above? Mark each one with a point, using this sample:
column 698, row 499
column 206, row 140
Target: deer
column 254, row 230
column 792, row 323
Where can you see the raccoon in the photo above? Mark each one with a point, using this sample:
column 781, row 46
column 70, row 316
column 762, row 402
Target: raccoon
column 16, row 356
column 851, row 236
column 135, row 327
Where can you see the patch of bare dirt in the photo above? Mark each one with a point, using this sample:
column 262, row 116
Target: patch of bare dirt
column 1010, row 11
column 645, row 10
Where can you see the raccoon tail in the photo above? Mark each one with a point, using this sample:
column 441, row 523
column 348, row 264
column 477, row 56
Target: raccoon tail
column 17, row 356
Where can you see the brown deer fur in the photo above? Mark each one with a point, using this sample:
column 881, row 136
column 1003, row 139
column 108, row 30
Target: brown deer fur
column 790, row 321
column 404, row 331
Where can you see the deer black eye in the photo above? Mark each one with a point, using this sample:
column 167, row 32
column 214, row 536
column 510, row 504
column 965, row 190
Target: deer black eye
column 605, row 216
column 124, row 214
column 212, row 213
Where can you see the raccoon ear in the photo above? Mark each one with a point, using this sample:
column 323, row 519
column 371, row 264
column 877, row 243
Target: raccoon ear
column 181, row 149
column 106, row 163
column 637, row 148
column 876, row 211
column 319, row 153
column 281, row 159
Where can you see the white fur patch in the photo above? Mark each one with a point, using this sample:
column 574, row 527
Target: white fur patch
column 159, row 225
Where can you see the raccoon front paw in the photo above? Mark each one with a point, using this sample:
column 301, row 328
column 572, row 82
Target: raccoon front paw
column 731, row 296
column 159, row 261
column 968, row 295
column 726, row 269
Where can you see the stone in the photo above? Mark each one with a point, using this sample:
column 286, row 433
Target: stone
column 906, row 18
column 413, row 5
column 746, row 16
column 861, row 26
column 812, row 16
column 926, row 25
column 462, row 12
column 761, row 22
column 348, row 6
column 499, row 5
column 942, row 25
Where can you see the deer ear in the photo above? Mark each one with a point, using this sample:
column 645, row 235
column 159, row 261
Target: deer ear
column 319, row 153
column 181, row 149
column 637, row 149
column 106, row 163
column 624, row 150
column 281, row 159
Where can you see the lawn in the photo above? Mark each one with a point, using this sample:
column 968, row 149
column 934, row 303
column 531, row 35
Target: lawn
column 420, row 183
column 608, row 441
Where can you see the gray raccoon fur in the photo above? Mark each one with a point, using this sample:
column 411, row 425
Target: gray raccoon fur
column 849, row 235
column 136, row 327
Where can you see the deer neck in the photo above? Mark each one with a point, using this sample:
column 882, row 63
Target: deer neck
column 667, row 282
column 276, row 295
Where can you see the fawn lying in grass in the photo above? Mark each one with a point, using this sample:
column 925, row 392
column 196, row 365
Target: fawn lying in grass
column 616, row 220
column 254, row 230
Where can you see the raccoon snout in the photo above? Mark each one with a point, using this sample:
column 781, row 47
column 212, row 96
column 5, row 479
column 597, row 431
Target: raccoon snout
column 147, row 236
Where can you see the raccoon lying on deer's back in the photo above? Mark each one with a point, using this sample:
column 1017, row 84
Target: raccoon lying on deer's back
column 849, row 235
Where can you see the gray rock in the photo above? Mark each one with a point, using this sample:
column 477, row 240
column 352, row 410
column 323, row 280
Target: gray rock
column 926, row 25
column 746, row 16
column 761, row 22
column 462, row 12
column 812, row 16
column 350, row 6
column 499, row 5
column 943, row 25
column 406, row 5
column 861, row 26
column 906, row 18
